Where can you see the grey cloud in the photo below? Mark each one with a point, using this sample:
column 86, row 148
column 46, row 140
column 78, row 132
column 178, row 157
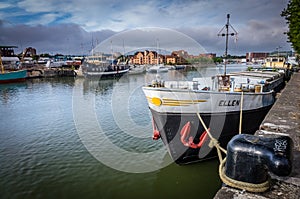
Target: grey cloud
column 63, row 38
column 258, row 22
column 253, row 35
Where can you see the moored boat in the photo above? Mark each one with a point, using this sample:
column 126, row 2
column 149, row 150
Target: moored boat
column 136, row 69
column 159, row 68
column 11, row 76
column 276, row 62
column 180, row 67
column 104, row 71
column 174, row 106
column 102, row 67
column 226, row 104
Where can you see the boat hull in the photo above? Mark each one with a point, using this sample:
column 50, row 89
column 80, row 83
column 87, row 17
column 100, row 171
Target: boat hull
column 137, row 70
column 173, row 109
column 223, row 126
column 13, row 76
column 106, row 74
column 157, row 69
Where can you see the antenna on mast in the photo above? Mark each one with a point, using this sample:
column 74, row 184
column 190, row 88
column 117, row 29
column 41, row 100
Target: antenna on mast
column 221, row 33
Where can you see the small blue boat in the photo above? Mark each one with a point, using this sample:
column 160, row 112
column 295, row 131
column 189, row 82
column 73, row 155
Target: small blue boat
column 13, row 76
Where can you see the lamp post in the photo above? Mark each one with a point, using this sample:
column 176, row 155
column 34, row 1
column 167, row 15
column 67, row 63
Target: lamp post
column 278, row 51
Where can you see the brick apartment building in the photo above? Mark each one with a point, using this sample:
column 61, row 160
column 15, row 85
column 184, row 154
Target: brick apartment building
column 150, row 57
column 256, row 56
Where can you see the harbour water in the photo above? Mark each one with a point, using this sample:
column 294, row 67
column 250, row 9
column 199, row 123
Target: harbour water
column 91, row 138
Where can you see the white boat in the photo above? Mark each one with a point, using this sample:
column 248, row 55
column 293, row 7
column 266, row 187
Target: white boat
column 79, row 72
column 292, row 61
column 136, row 69
column 55, row 64
column 10, row 62
column 174, row 106
column 159, row 68
column 43, row 60
column 226, row 103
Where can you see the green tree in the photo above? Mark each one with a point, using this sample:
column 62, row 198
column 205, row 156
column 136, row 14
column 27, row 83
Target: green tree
column 292, row 14
column 218, row 59
column 45, row 55
column 204, row 60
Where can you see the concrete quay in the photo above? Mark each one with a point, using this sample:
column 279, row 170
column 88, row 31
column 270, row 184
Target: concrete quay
column 39, row 72
column 283, row 118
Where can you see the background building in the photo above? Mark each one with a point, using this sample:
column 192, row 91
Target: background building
column 255, row 57
column 152, row 57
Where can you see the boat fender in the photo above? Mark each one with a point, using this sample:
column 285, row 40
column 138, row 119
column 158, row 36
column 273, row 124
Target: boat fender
column 185, row 132
column 250, row 157
column 156, row 133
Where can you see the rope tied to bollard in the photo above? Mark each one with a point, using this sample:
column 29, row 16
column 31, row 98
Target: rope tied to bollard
column 262, row 187
column 251, row 187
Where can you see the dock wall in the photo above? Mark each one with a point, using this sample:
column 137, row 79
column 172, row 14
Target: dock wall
column 50, row 72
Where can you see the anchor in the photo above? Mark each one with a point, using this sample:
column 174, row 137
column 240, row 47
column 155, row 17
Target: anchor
column 185, row 132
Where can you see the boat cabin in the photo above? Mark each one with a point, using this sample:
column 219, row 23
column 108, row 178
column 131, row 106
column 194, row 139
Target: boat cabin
column 275, row 62
column 8, row 57
column 245, row 81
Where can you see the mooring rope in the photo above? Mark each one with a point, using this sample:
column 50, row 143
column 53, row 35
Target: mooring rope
column 225, row 179
column 262, row 187
column 213, row 141
column 241, row 112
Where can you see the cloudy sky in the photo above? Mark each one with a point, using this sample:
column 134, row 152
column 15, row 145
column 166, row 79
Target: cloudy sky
column 75, row 26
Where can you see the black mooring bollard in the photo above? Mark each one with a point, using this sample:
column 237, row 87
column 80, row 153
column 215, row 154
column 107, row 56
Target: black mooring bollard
column 249, row 157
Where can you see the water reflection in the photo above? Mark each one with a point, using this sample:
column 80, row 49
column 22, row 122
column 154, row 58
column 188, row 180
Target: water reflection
column 100, row 87
column 10, row 92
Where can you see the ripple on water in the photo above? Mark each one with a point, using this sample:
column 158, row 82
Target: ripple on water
column 42, row 155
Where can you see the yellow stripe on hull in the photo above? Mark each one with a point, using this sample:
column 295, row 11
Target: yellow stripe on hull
column 172, row 102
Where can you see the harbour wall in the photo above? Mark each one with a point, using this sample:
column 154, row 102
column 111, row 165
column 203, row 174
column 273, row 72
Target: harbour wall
column 283, row 118
column 50, row 72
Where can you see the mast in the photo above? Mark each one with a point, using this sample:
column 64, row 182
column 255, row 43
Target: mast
column 157, row 51
column 226, row 46
column 226, row 27
column 1, row 64
column 123, row 48
column 112, row 52
column 124, row 59
column 93, row 58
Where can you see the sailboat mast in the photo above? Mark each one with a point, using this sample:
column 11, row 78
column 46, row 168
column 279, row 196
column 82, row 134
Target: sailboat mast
column 123, row 48
column 157, row 51
column 112, row 52
column 93, row 58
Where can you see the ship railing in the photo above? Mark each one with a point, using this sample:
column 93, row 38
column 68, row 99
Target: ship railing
column 179, row 84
